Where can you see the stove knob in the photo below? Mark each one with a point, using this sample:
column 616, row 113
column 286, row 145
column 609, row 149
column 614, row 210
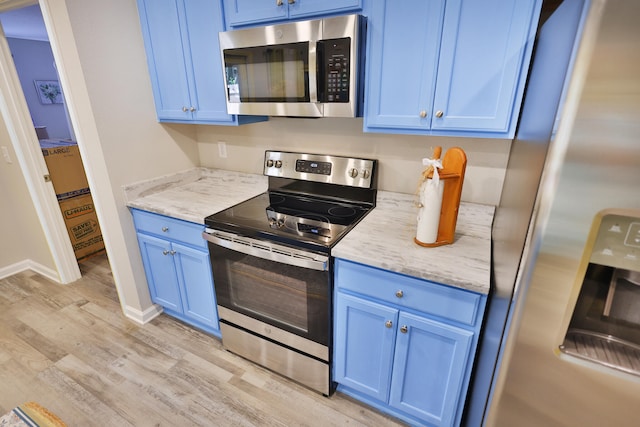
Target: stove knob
column 269, row 163
column 278, row 163
column 280, row 223
column 353, row 172
column 365, row 173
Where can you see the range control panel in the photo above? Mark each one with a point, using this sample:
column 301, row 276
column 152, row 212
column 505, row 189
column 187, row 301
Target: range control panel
column 329, row 169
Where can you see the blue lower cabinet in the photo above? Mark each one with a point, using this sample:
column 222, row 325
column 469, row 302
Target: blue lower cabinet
column 411, row 364
column 178, row 269
column 428, row 369
column 364, row 345
column 160, row 271
column 195, row 281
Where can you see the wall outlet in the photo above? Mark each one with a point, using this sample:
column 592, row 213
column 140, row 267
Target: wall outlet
column 5, row 154
column 222, row 149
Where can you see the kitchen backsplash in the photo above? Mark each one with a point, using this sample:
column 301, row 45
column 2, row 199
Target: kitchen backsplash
column 399, row 156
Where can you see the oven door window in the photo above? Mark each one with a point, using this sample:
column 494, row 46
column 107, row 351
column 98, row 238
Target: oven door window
column 291, row 298
column 275, row 73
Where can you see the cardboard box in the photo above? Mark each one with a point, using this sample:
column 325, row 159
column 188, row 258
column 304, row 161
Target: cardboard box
column 65, row 168
column 82, row 225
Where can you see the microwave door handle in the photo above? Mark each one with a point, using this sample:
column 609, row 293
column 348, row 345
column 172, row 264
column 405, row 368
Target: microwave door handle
column 315, row 58
column 269, row 251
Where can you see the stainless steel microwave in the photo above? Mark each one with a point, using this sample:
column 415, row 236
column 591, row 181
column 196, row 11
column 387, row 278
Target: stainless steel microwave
column 299, row 69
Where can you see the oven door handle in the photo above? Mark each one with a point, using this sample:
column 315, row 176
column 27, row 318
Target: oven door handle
column 269, row 251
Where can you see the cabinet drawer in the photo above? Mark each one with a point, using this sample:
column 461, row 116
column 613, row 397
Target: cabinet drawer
column 438, row 300
column 169, row 228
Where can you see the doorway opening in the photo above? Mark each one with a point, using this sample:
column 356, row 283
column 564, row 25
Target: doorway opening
column 35, row 66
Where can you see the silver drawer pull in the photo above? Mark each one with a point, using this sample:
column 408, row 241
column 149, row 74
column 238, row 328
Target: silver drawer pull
column 404, row 329
column 165, row 229
column 399, row 293
column 388, row 323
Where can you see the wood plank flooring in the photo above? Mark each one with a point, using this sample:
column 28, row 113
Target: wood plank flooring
column 69, row 348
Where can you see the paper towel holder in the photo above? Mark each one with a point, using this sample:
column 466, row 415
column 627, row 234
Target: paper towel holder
column 454, row 165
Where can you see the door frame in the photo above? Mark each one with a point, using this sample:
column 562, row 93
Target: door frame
column 15, row 112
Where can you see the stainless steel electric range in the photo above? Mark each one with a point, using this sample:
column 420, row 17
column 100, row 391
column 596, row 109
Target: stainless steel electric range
column 272, row 265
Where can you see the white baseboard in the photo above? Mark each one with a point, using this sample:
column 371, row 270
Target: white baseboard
column 29, row 264
column 143, row 317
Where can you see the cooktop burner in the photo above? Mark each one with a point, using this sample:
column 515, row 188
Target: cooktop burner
column 305, row 205
column 290, row 217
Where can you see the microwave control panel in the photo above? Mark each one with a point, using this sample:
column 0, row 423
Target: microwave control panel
column 335, row 70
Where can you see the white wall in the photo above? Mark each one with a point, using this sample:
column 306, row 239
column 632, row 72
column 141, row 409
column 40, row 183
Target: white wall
column 21, row 235
column 400, row 156
column 121, row 142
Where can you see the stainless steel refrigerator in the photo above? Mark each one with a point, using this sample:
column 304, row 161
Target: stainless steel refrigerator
column 566, row 236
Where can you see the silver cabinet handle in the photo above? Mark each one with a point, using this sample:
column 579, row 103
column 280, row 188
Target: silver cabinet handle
column 399, row 293
column 404, row 329
column 165, row 229
column 185, row 109
column 292, row 1
column 172, row 252
column 388, row 323
column 439, row 114
column 192, row 109
column 165, row 252
column 423, row 114
column 278, row 2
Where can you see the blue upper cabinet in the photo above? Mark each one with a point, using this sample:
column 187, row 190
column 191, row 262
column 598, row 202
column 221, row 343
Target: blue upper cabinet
column 403, row 46
column 181, row 42
column 250, row 12
column 448, row 67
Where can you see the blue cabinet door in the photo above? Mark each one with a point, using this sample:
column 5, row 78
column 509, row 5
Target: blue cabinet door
column 247, row 12
column 162, row 33
column 185, row 67
column 196, row 282
column 160, row 271
column 429, row 369
column 251, row 12
column 203, row 20
column 364, row 343
column 450, row 68
column 402, row 59
column 483, row 63
column 309, row 8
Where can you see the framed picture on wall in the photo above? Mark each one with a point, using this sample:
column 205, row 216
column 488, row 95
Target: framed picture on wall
column 49, row 91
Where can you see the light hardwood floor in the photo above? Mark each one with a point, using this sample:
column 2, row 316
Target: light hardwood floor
column 69, row 348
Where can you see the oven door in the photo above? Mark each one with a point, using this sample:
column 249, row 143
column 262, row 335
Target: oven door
column 287, row 288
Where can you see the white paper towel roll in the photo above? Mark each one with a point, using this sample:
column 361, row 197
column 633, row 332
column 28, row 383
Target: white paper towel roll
column 429, row 212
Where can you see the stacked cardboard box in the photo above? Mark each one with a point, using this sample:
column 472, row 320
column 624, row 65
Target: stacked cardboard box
column 72, row 190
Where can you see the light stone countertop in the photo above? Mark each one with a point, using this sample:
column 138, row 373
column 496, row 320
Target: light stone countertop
column 195, row 194
column 384, row 239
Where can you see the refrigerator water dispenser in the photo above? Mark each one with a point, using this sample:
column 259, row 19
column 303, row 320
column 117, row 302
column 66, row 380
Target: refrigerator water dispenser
column 605, row 324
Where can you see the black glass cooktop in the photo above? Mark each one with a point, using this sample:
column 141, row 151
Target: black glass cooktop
column 290, row 218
